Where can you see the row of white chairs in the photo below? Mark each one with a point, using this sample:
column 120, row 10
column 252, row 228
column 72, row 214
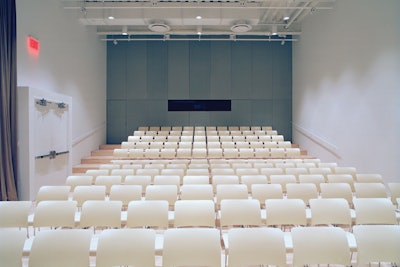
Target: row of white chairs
column 202, row 247
column 155, row 153
column 210, row 137
column 283, row 213
column 204, row 128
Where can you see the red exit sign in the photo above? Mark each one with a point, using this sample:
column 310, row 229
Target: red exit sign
column 33, row 45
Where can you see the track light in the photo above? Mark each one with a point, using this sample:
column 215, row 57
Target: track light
column 125, row 30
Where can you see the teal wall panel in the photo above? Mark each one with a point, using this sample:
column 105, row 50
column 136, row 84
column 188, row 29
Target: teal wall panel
column 144, row 75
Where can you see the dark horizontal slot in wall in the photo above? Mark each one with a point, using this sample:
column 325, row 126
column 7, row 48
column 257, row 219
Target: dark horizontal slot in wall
column 199, row 105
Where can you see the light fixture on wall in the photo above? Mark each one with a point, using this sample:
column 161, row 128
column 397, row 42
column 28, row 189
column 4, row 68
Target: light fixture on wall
column 199, row 28
column 124, row 30
column 274, row 30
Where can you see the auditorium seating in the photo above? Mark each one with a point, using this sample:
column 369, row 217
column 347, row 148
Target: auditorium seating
column 196, row 184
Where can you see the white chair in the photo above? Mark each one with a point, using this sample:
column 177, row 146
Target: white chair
column 341, row 178
column 192, row 247
column 369, row 178
column 256, row 246
column 101, row 213
column 11, row 247
column 108, row 181
column 377, row 243
column 148, row 172
column 123, row 173
column 296, row 171
column 370, row 190
column 75, row 180
column 222, row 171
column 262, row 192
column 374, row 211
column 337, row 190
column 14, row 214
column 142, row 180
column 310, row 248
column 304, row 191
column 249, row 180
column 330, row 211
column 53, row 192
column 147, row 213
column 231, row 191
column 321, row 170
column 61, row 248
column 197, row 192
column 271, row 171
column 394, row 189
column 285, row 212
column 83, row 193
column 194, row 213
column 162, row 192
column 167, row 180
column 283, row 179
column 346, row 170
column 95, row 172
column 55, row 213
column 316, row 179
column 125, row 193
column 128, row 247
column 196, row 179
column 224, row 179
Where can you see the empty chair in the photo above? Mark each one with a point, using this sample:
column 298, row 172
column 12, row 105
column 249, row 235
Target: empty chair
column 247, row 153
column 123, row 173
column 162, row 192
column 108, row 167
column 194, row 213
column 277, row 152
column 121, row 152
column 262, row 192
column 394, row 189
column 148, row 172
column 239, row 212
column 147, row 213
column 249, row 180
column 167, row 180
column 231, row 191
column 271, row 171
column 95, row 173
column 261, row 153
column 222, row 171
column 192, row 247
column 256, row 246
column 231, row 153
column 11, row 247
column 53, row 192
column 62, row 248
column 330, row 211
column 197, row 192
column 75, row 180
column 346, row 170
column 374, row 211
column 224, row 179
column 337, row 190
column 137, row 153
column 174, row 171
column 196, row 179
column 285, row 212
column 341, row 178
column 370, row 190
column 14, row 214
column 197, row 172
column 304, row 191
column 55, row 213
column 330, row 165
column 127, row 247
column 369, row 178
column 247, row 171
column 108, row 181
column 283, row 179
column 316, row 179
column 199, row 152
column 142, row 180
column 101, row 213
column 310, row 248
column 83, row 193
column 126, row 193
column 292, row 152
column 321, row 170
column 296, row 171
column 377, row 243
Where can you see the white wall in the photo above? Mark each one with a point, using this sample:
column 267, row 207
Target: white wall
column 346, row 86
column 71, row 61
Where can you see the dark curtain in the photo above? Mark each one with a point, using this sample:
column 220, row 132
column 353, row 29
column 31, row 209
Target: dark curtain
column 8, row 94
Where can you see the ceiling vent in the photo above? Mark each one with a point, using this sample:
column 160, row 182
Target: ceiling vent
column 159, row 27
column 239, row 28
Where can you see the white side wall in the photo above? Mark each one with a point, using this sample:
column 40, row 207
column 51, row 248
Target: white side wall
column 72, row 61
column 346, row 86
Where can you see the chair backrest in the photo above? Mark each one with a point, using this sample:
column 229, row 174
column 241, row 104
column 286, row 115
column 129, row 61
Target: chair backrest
column 341, row 178
column 192, row 247
column 282, row 212
column 304, row 191
column 11, row 247
column 377, row 243
column 95, row 172
column 224, row 179
column 55, row 213
column 147, row 213
column 197, row 192
column 101, row 213
column 262, row 192
column 370, row 190
column 14, row 213
column 330, row 211
column 53, row 192
column 283, row 179
column 337, row 190
column 167, row 180
column 394, row 189
column 75, row 180
column 369, row 178
column 374, row 211
column 83, row 193
column 61, row 248
column 316, row 179
column 309, row 248
column 194, row 213
column 108, row 181
column 256, row 246
column 162, row 192
column 231, row 191
column 142, row 180
column 127, row 247
column 123, row 173
column 249, row 180
column 234, row 212
column 126, row 193
column 196, row 179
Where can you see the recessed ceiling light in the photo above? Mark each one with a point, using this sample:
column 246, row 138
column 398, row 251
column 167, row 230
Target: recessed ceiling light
column 111, row 17
column 124, row 30
column 199, row 17
column 286, row 18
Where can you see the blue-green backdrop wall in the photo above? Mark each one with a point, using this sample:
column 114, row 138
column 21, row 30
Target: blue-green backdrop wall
column 143, row 75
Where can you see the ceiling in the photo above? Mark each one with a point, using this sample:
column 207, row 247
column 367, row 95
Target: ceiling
column 264, row 20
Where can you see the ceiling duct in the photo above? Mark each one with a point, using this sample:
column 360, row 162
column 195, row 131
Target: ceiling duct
column 159, row 27
column 241, row 27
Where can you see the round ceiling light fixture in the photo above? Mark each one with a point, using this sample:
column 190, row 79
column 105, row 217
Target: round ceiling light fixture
column 159, row 27
column 242, row 27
